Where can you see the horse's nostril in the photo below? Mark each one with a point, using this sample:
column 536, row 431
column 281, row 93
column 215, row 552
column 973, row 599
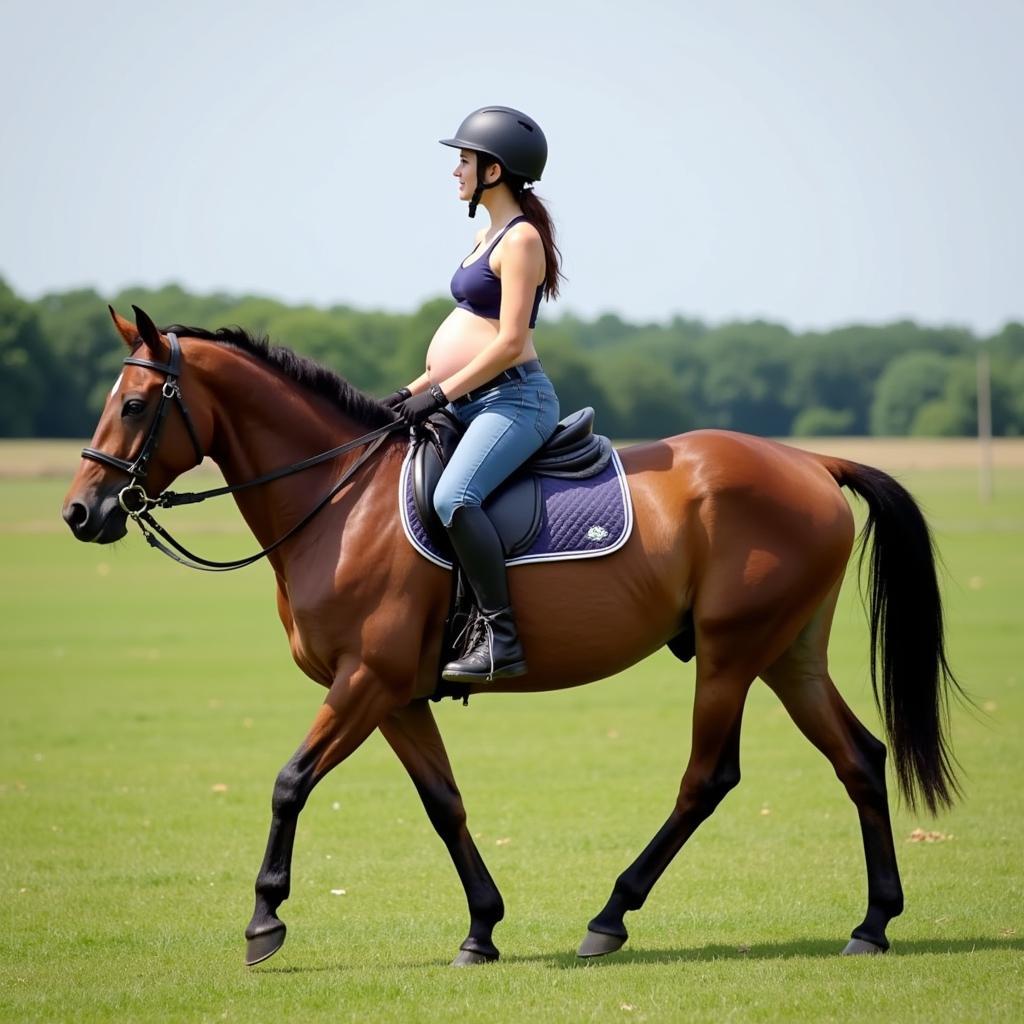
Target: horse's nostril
column 76, row 515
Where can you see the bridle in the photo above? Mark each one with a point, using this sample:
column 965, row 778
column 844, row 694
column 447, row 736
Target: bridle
column 136, row 502
column 133, row 498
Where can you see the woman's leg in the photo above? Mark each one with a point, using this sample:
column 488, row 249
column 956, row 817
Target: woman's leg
column 505, row 428
column 493, row 650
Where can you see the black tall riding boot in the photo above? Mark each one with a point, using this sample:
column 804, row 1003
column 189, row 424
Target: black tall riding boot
column 493, row 650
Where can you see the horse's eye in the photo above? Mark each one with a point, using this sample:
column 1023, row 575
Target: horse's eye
column 133, row 407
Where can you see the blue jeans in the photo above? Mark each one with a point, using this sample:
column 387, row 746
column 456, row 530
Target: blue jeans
column 504, row 427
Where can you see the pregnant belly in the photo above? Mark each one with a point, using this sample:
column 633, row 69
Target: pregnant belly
column 459, row 338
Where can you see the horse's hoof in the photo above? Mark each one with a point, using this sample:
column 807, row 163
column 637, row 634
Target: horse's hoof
column 859, row 947
column 599, row 944
column 262, row 947
column 467, row 958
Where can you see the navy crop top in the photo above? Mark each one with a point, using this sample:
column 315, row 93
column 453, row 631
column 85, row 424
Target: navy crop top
column 478, row 289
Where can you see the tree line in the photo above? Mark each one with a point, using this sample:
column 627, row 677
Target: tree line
column 59, row 355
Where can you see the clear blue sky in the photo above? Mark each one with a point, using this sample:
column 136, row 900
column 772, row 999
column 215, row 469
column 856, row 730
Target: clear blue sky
column 815, row 162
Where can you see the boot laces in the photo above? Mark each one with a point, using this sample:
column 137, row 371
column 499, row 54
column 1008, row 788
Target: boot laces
column 476, row 629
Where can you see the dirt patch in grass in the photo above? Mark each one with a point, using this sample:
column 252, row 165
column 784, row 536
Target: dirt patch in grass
column 53, row 459
column 903, row 453
column 38, row 459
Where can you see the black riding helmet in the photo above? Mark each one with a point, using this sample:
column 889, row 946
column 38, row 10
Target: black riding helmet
column 511, row 137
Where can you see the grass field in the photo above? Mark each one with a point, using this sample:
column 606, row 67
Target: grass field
column 147, row 710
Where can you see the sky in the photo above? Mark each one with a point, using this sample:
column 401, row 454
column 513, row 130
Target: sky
column 814, row 162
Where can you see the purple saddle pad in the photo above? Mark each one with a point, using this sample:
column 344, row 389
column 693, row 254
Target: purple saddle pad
column 579, row 518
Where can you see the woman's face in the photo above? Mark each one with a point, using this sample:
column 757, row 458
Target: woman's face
column 465, row 172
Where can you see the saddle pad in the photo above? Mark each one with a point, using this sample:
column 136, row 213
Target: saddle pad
column 580, row 518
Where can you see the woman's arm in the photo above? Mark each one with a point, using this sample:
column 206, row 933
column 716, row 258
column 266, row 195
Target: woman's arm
column 396, row 398
column 421, row 383
column 520, row 268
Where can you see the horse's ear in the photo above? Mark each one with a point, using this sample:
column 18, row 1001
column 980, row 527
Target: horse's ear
column 128, row 331
column 147, row 330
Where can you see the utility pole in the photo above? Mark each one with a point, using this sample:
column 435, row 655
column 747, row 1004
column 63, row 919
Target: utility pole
column 984, row 426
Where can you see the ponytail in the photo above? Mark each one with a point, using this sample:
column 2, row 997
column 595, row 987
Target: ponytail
column 536, row 212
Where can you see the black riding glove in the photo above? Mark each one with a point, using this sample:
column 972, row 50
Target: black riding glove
column 396, row 397
column 417, row 408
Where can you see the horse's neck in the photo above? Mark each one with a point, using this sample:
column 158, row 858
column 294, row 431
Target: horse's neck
column 262, row 424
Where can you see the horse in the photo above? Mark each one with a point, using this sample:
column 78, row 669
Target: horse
column 737, row 554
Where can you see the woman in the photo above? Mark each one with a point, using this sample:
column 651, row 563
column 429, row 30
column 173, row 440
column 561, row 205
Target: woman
column 483, row 366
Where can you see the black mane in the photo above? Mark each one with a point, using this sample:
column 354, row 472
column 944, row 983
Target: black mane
column 304, row 372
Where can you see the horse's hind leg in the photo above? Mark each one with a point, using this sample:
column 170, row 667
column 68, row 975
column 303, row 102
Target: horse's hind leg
column 413, row 735
column 801, row 680
column 356, row 703
column 713, row 769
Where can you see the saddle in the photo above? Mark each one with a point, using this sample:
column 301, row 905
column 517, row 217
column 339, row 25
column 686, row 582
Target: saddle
column 573, row 451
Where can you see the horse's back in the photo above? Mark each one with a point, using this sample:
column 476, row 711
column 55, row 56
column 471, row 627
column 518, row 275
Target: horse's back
column 719, row 465
column 751, row 519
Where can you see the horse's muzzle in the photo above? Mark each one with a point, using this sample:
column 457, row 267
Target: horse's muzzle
column 102, row 523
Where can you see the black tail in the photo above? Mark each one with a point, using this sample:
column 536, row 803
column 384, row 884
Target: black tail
column 907, row 636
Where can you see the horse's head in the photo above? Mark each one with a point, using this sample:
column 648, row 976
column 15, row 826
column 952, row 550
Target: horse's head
column 142, row 443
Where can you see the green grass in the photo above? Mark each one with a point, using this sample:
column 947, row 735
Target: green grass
column 134, row 691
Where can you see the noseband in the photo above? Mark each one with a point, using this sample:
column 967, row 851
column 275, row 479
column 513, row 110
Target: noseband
column 135, row 500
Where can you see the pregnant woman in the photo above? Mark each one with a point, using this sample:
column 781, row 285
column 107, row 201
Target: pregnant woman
column 482, row 365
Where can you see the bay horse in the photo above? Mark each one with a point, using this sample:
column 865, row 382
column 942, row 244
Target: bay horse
column 737, row 554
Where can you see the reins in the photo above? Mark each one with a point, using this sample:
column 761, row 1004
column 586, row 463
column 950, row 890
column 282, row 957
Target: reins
column 150, row 527
column 137, row 503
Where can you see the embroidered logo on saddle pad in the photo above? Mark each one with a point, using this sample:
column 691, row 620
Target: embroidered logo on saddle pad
column 579, row 518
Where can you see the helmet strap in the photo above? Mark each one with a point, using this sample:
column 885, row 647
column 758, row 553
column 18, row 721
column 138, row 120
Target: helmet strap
column 480, row 186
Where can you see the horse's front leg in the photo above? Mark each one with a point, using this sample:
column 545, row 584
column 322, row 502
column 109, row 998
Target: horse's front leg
column 356, row 703
column 413, row 735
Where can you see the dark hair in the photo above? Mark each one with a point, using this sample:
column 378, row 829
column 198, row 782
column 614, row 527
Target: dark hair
column 536, row 212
